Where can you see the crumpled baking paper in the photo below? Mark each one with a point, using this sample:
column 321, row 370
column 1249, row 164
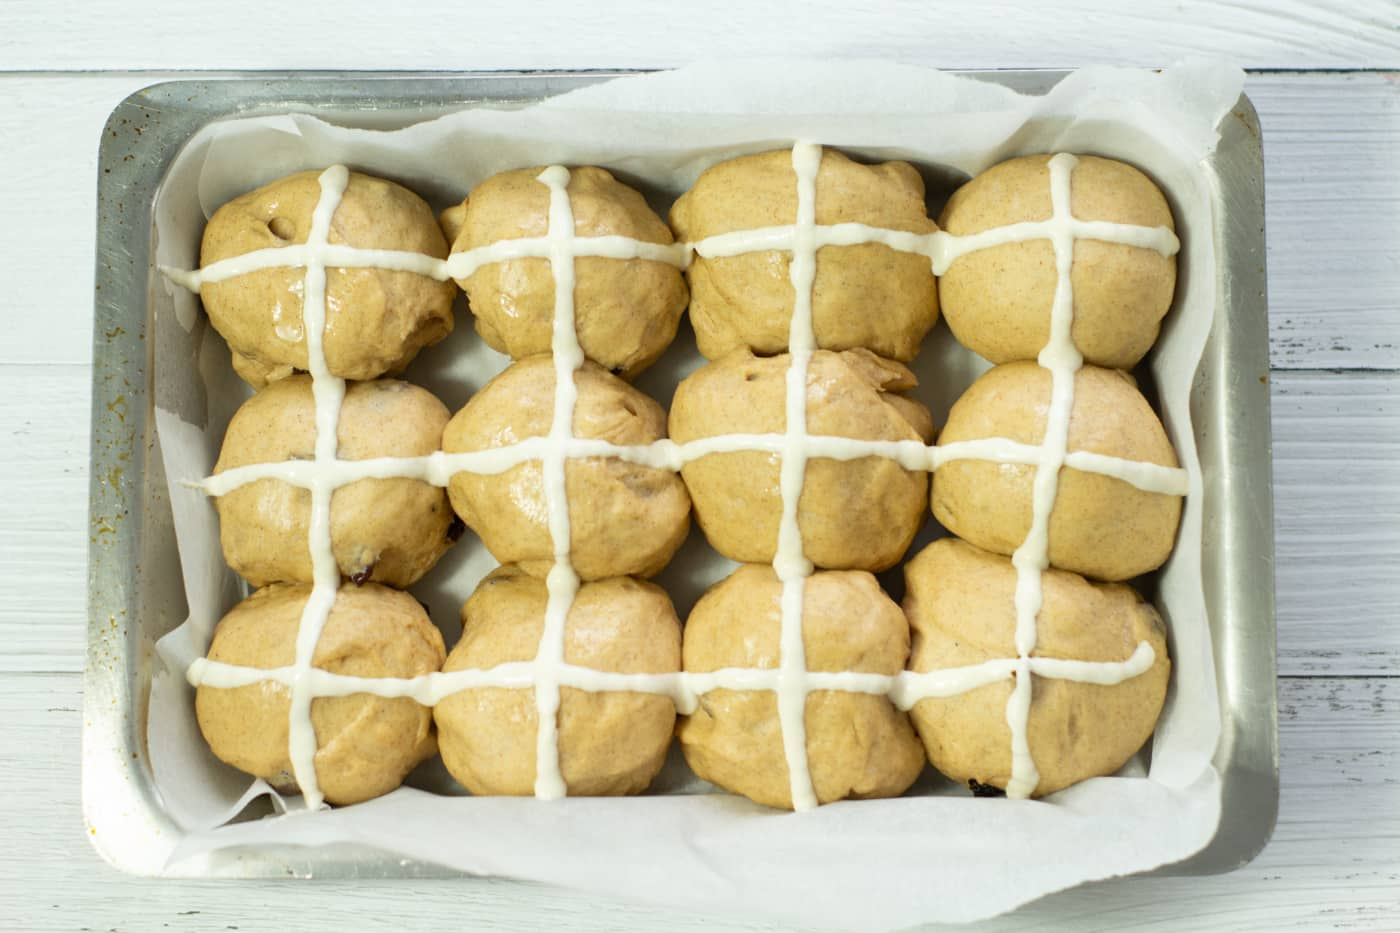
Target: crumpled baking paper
column 933, row 855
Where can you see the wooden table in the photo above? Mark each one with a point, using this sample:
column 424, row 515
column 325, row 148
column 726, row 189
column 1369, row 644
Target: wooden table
column 1331, row 118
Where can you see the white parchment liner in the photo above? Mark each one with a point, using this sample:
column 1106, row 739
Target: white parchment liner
column 933, row 855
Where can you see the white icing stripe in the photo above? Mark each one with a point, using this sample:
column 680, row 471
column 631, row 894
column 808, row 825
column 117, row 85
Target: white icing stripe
column 941, row 248
column 457, row 266
column 462, row 265
column 684, row 688
column 790, row 681
column 562, row 582
column 336, row 256
column 789, row 560
column 438, row 468
column 1063, row 360
column 328, row 393
column 1149, row 477
column 1024, row 774
column 738, row 242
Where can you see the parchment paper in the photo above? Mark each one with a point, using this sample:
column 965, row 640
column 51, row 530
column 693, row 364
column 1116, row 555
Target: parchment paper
column 934, row 855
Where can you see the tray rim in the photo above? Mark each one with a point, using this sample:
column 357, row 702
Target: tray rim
column 125, row 820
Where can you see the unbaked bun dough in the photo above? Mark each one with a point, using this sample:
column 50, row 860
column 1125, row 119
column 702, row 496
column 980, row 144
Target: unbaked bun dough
column 961, row 603
column 854, row 514
column 386, row 530
column 610, row 743
column 626, row 310
column 623, row 518
column 858, row 745
column 376, row 319
column 366, row 744
column 866, row 295
column 997, row 301
column 1100, row 526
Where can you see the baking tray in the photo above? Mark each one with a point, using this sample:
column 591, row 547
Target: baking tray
column 134, row 597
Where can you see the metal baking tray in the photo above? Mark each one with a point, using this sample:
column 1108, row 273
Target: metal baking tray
column 134, row 597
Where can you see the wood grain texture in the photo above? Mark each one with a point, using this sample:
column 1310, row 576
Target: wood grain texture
column 638, row 33
column 44, row 460
column 1335, row 852
column 43, row 548
column 1337, row 522
column 1332, row 180
column 49, row 184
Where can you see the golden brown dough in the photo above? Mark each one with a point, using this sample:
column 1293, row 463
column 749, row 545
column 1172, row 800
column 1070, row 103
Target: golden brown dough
column 626, row 310
column 961, row 604
column 366, row 744
column 624, row 519
column 1100, row 526
column 997, row 301
column 858, row 745
column 854, row 514
column 376, row 320
column 611, row 742
column 866, row 295
column 386, row 530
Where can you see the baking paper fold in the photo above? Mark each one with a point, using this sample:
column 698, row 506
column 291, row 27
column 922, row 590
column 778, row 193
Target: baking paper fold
column 936, row 855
